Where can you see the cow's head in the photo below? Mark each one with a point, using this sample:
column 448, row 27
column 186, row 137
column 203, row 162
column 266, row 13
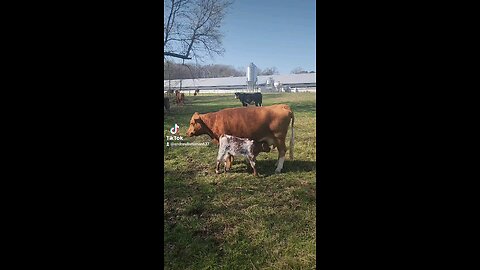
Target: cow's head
column 237, row 94
column 196, row 126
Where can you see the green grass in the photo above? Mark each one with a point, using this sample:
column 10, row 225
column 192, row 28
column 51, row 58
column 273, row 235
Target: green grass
column 236, row 220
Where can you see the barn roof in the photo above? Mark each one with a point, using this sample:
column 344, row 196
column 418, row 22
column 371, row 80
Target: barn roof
column 241, row 81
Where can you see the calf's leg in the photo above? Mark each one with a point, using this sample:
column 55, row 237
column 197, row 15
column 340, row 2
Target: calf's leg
column 249, row 168
column 229, row 162
column 217, row 168
column 252, row 163
column 220, row 157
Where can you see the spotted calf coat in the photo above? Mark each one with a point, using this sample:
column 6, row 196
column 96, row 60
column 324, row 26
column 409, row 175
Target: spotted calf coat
column 234, row 146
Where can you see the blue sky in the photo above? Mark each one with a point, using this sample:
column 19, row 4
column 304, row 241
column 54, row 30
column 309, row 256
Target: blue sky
column 270, row 33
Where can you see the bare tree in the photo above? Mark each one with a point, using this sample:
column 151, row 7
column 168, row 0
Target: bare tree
column 298, row 70
column 192, row 27
column 241, row 71
column 268, row 71
column 175, row 71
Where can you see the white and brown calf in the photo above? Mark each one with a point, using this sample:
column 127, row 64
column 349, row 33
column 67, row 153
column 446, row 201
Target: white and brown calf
column 234, row 146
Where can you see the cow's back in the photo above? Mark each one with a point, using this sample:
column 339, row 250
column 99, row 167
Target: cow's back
column 252, row 122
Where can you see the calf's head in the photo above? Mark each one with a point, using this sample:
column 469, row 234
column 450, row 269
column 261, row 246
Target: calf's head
column 265, row 147
column 260, row 147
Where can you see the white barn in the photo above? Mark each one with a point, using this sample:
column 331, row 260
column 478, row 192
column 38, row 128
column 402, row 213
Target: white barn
column 272, row 83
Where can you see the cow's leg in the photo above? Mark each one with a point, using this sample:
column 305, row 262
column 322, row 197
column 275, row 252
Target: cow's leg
column 276, row 162
column 282, row 149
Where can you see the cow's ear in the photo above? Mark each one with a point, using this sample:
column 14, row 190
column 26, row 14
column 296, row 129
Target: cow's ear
column 196, row 116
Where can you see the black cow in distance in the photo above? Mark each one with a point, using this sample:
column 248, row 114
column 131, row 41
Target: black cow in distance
column 249, row 98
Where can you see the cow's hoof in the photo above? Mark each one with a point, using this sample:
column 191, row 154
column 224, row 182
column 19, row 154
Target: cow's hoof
column 278, row 171
column 217, row 171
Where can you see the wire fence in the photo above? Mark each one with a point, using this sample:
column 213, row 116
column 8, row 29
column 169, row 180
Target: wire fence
column 232, row 91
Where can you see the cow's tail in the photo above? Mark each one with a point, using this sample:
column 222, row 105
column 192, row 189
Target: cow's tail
column 291, row 139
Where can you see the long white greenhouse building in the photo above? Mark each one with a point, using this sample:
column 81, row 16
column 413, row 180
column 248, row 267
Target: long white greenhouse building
column 305, row 82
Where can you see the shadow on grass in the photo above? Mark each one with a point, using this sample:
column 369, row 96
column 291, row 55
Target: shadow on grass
column 303, row 108
column 267, row 167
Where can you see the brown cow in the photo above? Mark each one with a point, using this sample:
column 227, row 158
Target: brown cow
column 180, row 97
column 263, row 124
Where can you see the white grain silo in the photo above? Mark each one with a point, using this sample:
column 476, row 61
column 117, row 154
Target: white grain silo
column 269, row 83
column 278, row 86
column 251, row 77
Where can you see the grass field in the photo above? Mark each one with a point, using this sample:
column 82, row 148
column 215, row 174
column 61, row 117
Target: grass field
column 236, row 220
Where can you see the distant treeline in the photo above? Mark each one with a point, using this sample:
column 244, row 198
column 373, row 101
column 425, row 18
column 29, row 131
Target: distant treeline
column 175, row 71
